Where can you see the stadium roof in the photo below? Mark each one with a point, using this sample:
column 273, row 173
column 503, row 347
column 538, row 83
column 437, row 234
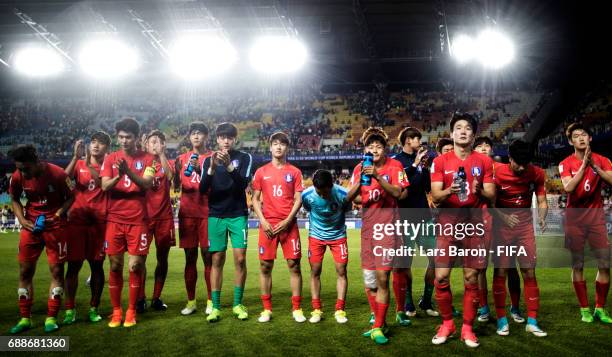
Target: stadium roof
column 349, row 40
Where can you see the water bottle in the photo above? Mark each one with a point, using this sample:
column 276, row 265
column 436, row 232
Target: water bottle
column 461, row 179
column 368, row 160
column 189, row 169
column 39, row 224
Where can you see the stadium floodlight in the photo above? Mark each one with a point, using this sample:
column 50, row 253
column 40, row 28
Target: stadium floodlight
column 463, row 48
column 201, row 56
column 108, row 59
column 277, row 55
column 38, row 62
column 495, row 50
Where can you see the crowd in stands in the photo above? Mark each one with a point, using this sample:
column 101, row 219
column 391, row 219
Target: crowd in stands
column 308, row 118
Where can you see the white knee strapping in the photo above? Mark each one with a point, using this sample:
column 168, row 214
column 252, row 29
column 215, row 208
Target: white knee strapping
column 369, row 279
column 23, row 293
column 57, row 291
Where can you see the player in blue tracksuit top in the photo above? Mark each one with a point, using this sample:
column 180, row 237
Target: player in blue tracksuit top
column 327, row 205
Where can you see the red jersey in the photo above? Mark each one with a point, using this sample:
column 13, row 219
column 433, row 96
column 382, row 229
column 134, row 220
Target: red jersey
column 477, row 167
column 193, row 204
column 588, row 192
column 278, row 187
column 45, row 194
column 89, row 200
column 374, row 196
column 516, row 191
column 158, row 197
column 127, row 201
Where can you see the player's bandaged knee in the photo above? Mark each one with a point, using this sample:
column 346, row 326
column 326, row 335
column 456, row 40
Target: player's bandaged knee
column 57, row 291
column 369, row 279
column 23, row 293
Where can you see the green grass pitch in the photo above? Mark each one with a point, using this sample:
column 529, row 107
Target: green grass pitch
column 169, row 333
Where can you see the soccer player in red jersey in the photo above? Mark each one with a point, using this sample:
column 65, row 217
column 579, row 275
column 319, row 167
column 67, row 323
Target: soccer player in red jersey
column 161, row 220
column 193, row 215
column 518, row 181
column 584, row 174
column 127, row 174
column 277, row 188
column 388, row 180
column 484, row 145
column 479, row 190
column 86, row 223
column 49, row 193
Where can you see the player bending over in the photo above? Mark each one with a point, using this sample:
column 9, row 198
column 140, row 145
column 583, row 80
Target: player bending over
column 48, row 191
column 327, row 204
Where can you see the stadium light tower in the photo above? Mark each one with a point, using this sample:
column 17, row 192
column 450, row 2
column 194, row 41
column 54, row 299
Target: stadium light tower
column 278, row 54
column 200, row 56
column 107, row 58
column 491, row 48
column 38, row 62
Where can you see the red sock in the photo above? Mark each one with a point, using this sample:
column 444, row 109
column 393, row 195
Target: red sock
column 601, row 293
column 381, row 313
column 316, row 304
column 135, row 280
column 142, row 292
column 514, row 286
column 483, row 297
column 69, row 303
column 532, row 297
column 296, row 301
column 157, row 288
column 470, row 304
column 339, row 304
column 115, row 285
column 581, row 293
column 499, row 295
column 53, row 306
column 399, row 290
column 207, row 280
column 191, row 278
column 371, row 300
column 25, row 308
column 267, row 302
column 444, row 298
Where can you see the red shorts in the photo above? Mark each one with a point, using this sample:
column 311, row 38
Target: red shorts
column 511, row 244
column 289, row 241
column 193, row 232
column 471, row 249
column 316, row 250
column 54, row 241
column 120, row 237
column 375, row 251
column 576, row 235
column 163, row 231
column 86, row 242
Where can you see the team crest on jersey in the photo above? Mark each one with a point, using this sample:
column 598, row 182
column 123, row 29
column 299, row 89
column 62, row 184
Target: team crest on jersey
column 475, row 171
column 288, row 178
column 139, row 165
column 235, row 163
